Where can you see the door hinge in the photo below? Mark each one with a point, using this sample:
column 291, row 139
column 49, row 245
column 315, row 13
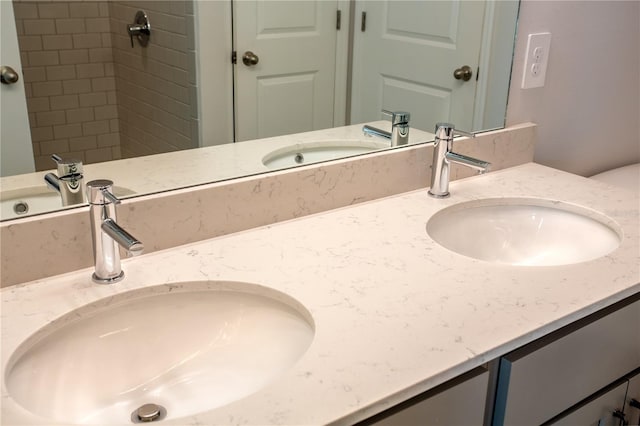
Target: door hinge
column 338, row 19
column 234, row 57
column 363, row 24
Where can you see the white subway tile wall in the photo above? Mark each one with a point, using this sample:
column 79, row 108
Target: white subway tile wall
column 93, row 97
column 152, row 83
column 65, row 80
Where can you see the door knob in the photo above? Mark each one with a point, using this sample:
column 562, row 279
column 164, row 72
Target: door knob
column 8, row 75
column 249, row 58
column 463, row 73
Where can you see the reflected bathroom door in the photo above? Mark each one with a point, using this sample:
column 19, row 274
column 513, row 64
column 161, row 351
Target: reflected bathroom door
column 405, row 57
column 16, row 151
column 285, row 69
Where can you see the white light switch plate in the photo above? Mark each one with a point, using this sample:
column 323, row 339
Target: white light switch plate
column 535, row 63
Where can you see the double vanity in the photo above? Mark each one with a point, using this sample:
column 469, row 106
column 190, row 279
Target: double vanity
column 335, row 315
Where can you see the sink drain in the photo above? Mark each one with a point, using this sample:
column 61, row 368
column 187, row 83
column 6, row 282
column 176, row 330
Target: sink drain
column 299, row 158
column 21, row 207
column 148, row 413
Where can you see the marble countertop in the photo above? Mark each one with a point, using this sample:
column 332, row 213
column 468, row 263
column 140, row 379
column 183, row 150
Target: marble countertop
column 395, row 314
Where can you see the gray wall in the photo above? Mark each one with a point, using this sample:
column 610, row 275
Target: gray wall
column 588, row 112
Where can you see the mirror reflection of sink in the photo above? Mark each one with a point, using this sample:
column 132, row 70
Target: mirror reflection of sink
column 187, row 347
column 16, row 203
column 314, row 152
column 523, row 231
column 38, row 199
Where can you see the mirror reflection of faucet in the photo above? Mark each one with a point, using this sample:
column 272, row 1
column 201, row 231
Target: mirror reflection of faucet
column 443, row 156
column 399, row 134
column 68, row 182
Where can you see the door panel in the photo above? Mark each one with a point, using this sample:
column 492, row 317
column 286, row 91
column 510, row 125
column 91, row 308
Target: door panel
column 294, row 18
column 462, row 404
column 432, row 23
column 537, row 384
column 598, row 412
column 16, row 151
column 632, row 406
column 291, row 88
column 421, row 44
column 432, row 101
column 288, row 96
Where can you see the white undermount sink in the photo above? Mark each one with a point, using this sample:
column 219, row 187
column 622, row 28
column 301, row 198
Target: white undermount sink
column 186, row 347
column 314, row 152
column 523, row 231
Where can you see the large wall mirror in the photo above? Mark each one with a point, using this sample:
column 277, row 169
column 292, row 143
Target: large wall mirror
column 214, row 74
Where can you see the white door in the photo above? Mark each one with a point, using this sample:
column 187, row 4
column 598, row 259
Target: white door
column 16, row 152
column 405, row 58
column 291, row 87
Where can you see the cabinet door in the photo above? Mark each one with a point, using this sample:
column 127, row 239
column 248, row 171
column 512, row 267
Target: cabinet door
column 598, row 412
column 543, row 379
column 632, row 403
column 462, row 404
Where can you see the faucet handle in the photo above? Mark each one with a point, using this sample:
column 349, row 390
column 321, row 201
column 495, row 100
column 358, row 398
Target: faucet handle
column 448, row 131
column 398, row 117
column 141, row 28
column 109, row 196
column 100, row 192
column 457, row 132
column 67, row 167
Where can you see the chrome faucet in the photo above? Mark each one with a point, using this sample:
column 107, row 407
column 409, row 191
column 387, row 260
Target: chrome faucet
column 399, row 134
column 443, row 156
column 107, row 234
column 68, row 181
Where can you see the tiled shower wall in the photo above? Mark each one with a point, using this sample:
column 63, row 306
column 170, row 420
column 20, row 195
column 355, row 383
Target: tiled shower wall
column 90, row 95
column 68, row 72
column 156, row 89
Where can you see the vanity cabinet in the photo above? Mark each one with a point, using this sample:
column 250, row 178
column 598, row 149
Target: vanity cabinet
column 598, row 411
column 458, row 402
column 615, row 405
column 544, row 379
column 579, row 375
column 632, row 401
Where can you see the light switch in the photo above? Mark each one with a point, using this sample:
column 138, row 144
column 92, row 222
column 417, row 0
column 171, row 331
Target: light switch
column 535, row 65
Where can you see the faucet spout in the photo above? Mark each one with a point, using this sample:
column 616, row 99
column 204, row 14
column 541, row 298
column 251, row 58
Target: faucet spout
column 399, row 134
column 52, row 181
column 68, row 181
column 124, row 239
column 107, row 235
column 473, row 163
column 443, row 156
column 374, row 131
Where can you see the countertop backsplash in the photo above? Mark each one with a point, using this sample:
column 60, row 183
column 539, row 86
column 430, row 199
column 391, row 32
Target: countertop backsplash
column 55, row 243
